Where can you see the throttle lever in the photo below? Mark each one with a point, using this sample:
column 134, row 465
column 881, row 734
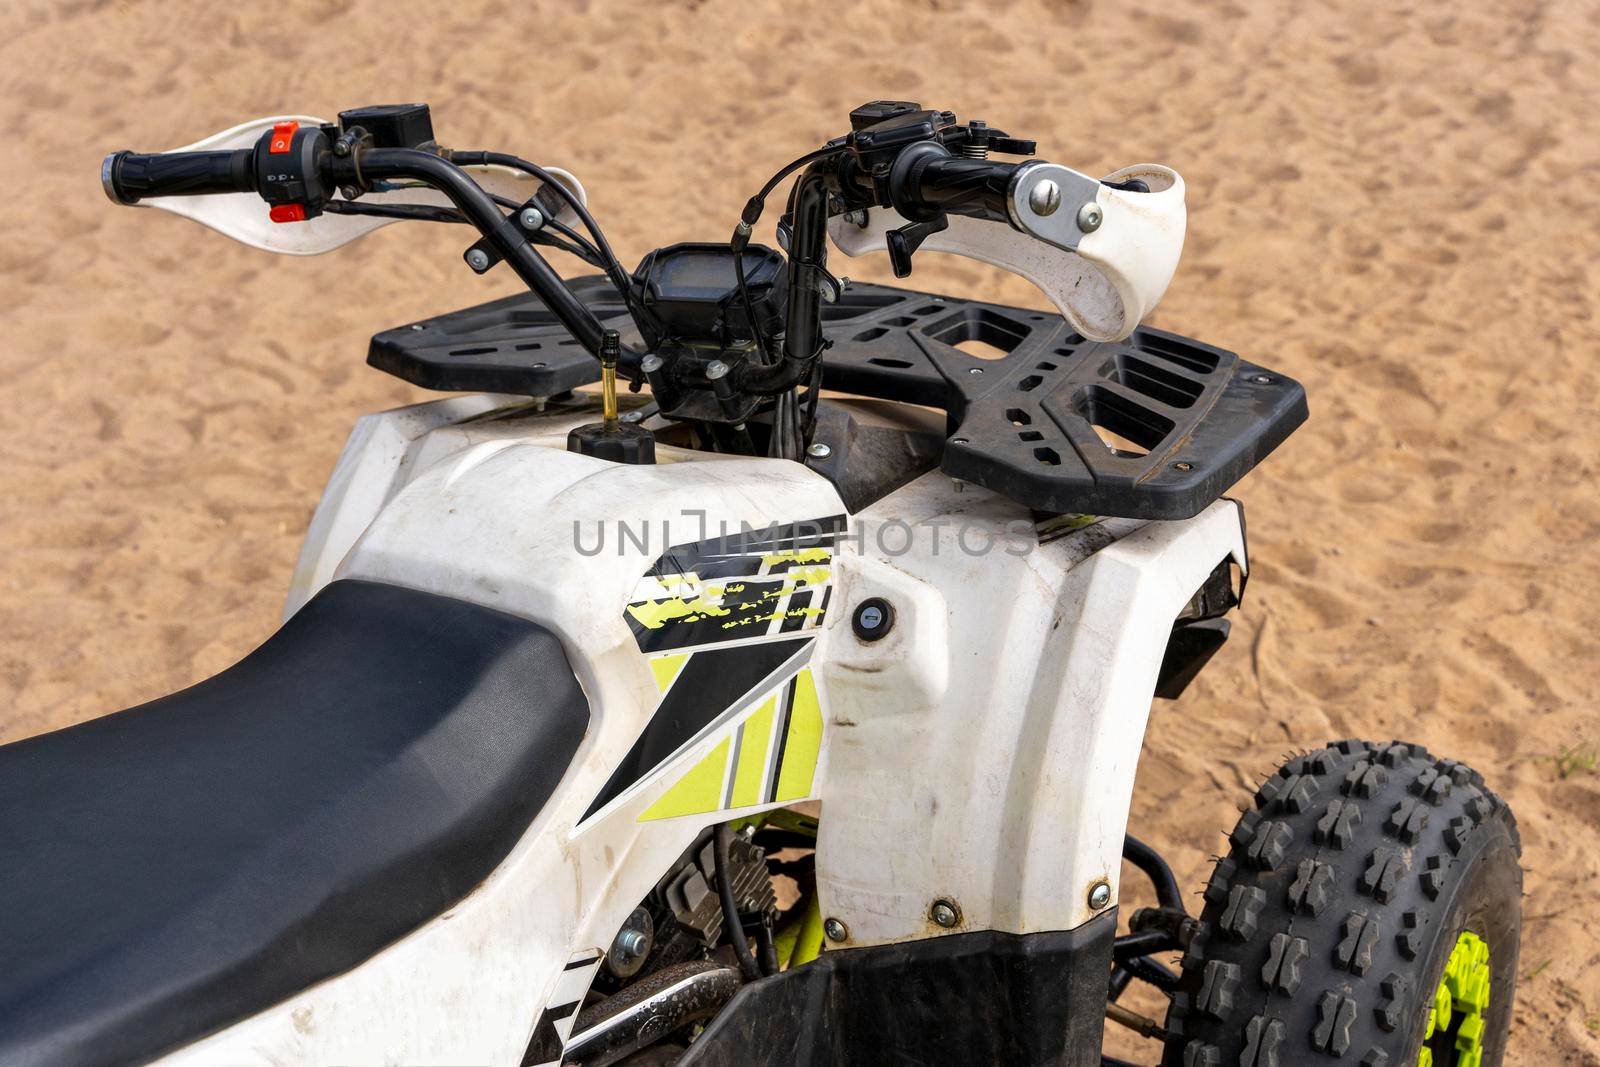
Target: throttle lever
column 903, row 242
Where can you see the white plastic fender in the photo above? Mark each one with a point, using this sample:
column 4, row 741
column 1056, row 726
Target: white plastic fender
column 984, row 751
column 1116, row 277
column 244, row 216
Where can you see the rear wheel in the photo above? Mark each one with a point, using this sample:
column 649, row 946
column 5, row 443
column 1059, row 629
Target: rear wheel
column 1368, row 911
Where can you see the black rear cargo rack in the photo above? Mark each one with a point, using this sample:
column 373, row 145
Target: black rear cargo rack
column 1154, row 427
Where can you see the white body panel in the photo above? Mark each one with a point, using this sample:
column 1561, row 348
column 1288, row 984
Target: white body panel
column 983, row 751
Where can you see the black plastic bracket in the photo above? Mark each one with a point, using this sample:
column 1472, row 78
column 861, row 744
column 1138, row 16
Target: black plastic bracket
column 1154, row 427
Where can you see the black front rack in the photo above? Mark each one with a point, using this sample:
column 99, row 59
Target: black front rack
column 1154, row 427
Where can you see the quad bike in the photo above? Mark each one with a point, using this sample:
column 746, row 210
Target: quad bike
column 787, row 713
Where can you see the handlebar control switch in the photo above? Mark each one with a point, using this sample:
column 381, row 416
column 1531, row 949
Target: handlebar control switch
column 292, row 174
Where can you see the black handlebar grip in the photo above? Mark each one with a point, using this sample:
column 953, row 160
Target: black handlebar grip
column 926, row 181
column 129, row 177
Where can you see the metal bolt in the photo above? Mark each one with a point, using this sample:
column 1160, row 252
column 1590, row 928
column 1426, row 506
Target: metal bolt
column 1183, row 466
column 416, row 325
column 478, row 259
column 1099, row 895
column 716, row 370
column 349, row 192
column 1262, row 379
column 958, row 440
column 945, row 913
column 531, row 218
column 857, row 217
column 1090, row 216
column 636, row 415
column 819, row 451
column 836, row 930
column 1044, row 198
column 975, row 370
column 631, row 942
column 651, row 363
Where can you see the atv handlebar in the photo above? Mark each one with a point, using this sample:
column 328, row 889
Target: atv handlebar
column 129, row 177
column 918, row 165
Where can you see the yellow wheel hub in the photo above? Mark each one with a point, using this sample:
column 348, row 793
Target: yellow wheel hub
column 1455, row 1016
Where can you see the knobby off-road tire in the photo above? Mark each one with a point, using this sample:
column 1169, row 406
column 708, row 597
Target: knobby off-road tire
column 1328, row 925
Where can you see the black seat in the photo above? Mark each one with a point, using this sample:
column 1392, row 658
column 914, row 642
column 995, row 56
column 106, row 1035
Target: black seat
column 174, row 868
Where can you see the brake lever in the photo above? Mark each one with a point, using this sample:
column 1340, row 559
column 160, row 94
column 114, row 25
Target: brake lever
column 904, row 241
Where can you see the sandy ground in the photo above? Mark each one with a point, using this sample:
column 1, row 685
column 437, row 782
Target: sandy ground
column 1393, row 202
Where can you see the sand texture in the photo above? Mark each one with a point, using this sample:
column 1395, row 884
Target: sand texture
column 1394, row 202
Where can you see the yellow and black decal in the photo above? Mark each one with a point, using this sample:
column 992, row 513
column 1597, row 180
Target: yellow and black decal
column 727, row 626
column 771, row 757
column 759, row 583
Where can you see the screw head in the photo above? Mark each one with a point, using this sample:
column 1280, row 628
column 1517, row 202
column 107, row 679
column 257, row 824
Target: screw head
column 1183, row 466
column 716, row 369
column 531, row 218
column 1090, row 216
column 1099, row 895
column 836, row 930
column 1044, row 198
column 651, row 363
column 975, row 371
column 633, row 416
column 944, row 913
column 818, row 450
column 416, row 325
column 1262, row 379
column 478, row 259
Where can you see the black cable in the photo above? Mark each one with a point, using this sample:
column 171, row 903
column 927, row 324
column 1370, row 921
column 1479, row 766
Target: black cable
column 749, row 312
column 620, row 276
column 584, row 254
column 413, row 212
column 813, row 392
column 721, row 839
column 782, row 431
column 766, row 949
column 576, row 238
column 756, row 204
